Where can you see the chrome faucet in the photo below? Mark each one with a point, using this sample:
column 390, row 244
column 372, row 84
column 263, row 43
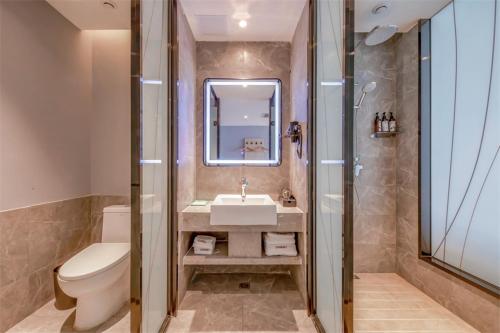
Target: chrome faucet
column 244, row 184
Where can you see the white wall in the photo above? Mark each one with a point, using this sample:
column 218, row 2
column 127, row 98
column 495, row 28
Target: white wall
column 64, row 108
column 45, row 98
column 110, row 121
column 233, row 111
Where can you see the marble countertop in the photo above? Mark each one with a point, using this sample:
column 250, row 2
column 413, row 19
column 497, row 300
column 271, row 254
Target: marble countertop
column 206, row 209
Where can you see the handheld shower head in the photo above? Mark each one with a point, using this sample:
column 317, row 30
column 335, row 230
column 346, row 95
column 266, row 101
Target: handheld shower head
column 368, row 87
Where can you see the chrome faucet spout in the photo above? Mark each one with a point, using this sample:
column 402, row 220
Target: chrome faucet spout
column 244, row 184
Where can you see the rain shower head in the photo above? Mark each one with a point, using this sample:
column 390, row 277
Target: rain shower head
column 368, row 87
column 380, row 34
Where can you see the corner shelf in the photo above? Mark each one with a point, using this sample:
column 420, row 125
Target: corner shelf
column 220, row 257
column 377, row 135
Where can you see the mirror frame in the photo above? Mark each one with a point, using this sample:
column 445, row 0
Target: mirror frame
column 207, row 86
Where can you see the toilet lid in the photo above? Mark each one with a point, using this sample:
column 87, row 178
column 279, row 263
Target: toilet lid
column 94, row 259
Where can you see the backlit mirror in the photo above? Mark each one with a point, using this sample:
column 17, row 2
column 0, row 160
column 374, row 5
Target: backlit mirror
column 242, row 122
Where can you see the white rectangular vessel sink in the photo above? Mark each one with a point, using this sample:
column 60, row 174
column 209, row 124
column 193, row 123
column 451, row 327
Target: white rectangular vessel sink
column 230, row 209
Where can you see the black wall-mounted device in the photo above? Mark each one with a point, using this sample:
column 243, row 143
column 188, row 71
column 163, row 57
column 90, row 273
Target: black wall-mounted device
column 294, row 132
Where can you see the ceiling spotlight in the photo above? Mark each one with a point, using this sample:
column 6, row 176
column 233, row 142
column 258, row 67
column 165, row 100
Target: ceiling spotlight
column 243, row 24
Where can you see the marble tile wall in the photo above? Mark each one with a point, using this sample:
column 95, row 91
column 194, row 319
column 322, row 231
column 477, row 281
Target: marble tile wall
column 478, row 308
column 186, row 177
column 36, row 239
column 244, row 60
column 298, row 112
column 186, row 114
column 375, row 188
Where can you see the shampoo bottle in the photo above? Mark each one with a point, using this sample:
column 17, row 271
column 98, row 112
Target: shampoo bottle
column 385, row 124
column 392, row 124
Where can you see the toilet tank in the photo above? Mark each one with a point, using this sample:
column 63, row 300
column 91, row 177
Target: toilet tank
column 116, row 224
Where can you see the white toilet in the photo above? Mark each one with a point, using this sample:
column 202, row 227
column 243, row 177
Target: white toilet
column 98, row 276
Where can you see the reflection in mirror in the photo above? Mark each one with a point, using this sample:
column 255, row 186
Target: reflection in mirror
column 242, row 122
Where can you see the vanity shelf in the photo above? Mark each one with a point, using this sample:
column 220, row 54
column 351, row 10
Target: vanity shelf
column 220, row 257
column 384, row 134
column 197, row 219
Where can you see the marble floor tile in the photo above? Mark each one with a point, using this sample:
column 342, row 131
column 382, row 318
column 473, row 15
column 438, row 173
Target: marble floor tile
column 272, row 304
column 216, row 303
column 387, row 303
column 48, row 319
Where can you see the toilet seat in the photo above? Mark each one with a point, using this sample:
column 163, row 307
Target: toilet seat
column 94, row 259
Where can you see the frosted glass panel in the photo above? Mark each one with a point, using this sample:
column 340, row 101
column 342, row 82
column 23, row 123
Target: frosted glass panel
column 154, row 164
column 329, row 166
column 465, row 139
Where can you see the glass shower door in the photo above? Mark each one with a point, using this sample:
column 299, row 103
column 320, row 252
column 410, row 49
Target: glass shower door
column 151, row 142
column 332, row 158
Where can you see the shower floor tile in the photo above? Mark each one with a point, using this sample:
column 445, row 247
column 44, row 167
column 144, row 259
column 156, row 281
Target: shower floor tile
column 216, row 303
column 388, row 303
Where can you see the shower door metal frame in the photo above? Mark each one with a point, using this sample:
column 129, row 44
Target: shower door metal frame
column 136, row 170
column 348, row 171
column 136, row 167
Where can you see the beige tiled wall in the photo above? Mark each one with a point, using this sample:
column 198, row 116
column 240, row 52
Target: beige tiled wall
column 476, row 307
column 375, row 188
column 298, row 112
column 186, row 114
column 243, row 60
column 186, row 172
column 36, row 239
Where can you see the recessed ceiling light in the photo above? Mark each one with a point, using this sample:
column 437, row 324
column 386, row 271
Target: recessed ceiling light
column 109, row 4
column 381, row 9
column 243, row 24
column 245, row 116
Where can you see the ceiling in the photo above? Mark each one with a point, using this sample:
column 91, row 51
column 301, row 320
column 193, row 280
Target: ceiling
column 268, row 20
column 93, row 15
column 403, row 13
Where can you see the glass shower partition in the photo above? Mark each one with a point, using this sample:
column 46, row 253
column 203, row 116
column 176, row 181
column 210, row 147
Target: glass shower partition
column 460, row 141
column 151, row 165
column 332, row 35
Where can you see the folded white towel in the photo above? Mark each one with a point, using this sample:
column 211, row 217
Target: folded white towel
column 281, row 250
column 205, row 242
column 284, row 241
column 203, row 251
column 203, row 239
column 280, row 236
